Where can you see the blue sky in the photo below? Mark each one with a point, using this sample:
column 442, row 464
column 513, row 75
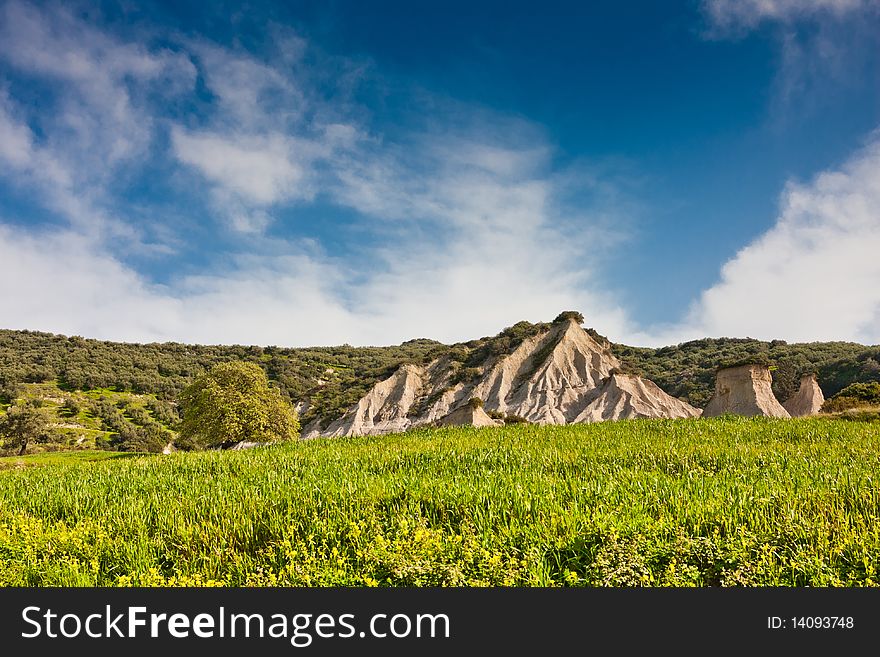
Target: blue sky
column 325, row 172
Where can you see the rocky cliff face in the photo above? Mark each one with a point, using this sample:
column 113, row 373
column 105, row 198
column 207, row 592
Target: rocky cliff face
column 384, row 409
column 625, row 396
column 559, row 376
column 548, row 378
column 744, row 390
column 807, row 400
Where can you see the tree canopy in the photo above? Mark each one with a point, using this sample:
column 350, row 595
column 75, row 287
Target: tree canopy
column 232, row 403
column 23, row 424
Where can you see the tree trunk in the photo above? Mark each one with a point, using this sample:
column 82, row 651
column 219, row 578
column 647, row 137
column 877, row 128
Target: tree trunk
column 23, row 449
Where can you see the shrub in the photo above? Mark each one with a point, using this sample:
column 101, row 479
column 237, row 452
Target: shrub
column 854, row 396
column 71, row 407
column 465, row 375
column 569, row 314
column 9, row 391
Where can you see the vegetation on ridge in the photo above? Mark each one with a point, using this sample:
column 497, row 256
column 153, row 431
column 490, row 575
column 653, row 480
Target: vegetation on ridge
column 853, row 396
column 124, row 396
column 688, row 370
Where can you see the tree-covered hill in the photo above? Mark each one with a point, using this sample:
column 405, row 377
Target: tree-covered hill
column 688, row 370
column 150, row 377
column 331, row 377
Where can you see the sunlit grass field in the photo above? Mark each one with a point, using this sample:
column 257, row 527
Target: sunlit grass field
column 727, row 501
column 60, row 458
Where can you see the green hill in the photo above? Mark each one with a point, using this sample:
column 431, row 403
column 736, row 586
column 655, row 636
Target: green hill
column 126, row 393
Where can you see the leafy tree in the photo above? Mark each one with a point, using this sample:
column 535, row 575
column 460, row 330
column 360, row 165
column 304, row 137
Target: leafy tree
column 234, row 403
column 131, row 438
column 475, row 403
column 22, row 425
column 9, row 390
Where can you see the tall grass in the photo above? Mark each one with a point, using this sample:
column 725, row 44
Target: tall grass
column 727, row 501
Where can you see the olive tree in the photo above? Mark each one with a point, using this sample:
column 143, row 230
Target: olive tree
column 22, row 425
column 232, row 403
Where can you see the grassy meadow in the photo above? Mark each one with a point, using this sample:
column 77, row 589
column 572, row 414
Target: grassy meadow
column 727, row 501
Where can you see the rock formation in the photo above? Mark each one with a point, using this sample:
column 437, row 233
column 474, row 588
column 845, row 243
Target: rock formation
column 559, row 376
column 807, row 400
column 385, row 408
column 744, row 390
column 628, row 396
column 547, row 378
column 469, row 415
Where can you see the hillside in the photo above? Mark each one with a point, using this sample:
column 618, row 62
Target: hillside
column 127, row 392
column 688, row 370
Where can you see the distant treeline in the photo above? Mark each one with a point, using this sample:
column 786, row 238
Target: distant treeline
column 333, row 378
column 688, row 370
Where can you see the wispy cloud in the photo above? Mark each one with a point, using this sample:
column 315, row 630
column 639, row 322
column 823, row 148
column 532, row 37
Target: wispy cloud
column 466, row 230
column 62, row 280
column 268, row 137
column 812, row 275
column 94, row 120
column 481, row 244
column 825, row 46
column 100, row 105
column 740, row 15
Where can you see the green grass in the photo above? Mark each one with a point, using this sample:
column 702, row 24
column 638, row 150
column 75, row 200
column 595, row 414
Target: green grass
column 59, row 458
column 727, row 501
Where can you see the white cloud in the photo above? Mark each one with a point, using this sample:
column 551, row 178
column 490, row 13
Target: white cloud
column 814, row 276
column 471, row 234
column 252, row 94
column 267, row 133
column 825, row 48
column 16, row 139
column 40, row 169
column 471, row 239
column 467, row 212
column 20, row 152
column 476, row 245
column 261, row 169
column 479, row 244
column 63, row 280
